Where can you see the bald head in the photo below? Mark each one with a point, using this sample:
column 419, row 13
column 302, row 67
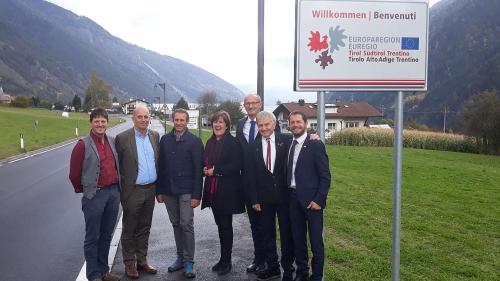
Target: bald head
column 141, row 119
column 253, row 105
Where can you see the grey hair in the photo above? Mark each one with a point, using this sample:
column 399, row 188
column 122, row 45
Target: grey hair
column 265, row 115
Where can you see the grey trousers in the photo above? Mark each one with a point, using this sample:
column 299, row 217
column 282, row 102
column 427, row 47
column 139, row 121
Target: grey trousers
column 181, row 215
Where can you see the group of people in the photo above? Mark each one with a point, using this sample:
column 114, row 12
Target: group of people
column 261, row 171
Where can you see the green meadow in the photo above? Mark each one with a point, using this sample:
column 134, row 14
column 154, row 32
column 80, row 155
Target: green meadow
column 450, row 227
column 51, row 128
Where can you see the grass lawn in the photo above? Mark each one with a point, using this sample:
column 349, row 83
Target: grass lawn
column 450, row 215
column 51, row 129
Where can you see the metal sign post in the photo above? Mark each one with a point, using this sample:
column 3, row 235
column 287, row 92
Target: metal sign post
column 321, row 115
column 365, row 45
column 396, row 195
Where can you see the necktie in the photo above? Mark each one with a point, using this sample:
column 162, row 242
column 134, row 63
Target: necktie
column 289, row 167
column 251, row 134
column 268, row 156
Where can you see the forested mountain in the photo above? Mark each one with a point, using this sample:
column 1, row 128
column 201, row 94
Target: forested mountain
column 464, row 59
column 48, row 51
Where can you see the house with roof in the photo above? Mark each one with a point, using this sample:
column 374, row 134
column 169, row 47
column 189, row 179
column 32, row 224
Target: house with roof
column 129, row 106
column 4, row 98
column 338, row 116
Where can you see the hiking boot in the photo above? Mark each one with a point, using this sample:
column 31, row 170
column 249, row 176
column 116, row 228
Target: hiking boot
column 177, row 265
column 188, row 273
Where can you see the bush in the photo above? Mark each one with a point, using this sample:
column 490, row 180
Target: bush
column 21, row 101
column 411, row 139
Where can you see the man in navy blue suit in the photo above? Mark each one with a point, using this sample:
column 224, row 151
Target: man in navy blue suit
column 246, row 132
column 180, row 183
column 308, row 180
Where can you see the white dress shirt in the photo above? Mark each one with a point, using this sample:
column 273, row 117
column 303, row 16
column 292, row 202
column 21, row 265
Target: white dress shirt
column 300, row 141
column 273, row 150
column 246, row 128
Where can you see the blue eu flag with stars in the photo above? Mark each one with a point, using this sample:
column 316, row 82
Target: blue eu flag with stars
column 409, row 43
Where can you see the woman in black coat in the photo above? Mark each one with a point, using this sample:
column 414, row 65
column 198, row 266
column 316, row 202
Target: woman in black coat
column 222, row 189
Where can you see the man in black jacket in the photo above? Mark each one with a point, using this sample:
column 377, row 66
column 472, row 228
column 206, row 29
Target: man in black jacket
column 267, row 194
column 180, row 185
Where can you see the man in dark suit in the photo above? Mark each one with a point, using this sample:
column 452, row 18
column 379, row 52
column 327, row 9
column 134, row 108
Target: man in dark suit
column 138, row 153
column 308, row 180
column 179, row 187
column 268, row 194
column 246, row 131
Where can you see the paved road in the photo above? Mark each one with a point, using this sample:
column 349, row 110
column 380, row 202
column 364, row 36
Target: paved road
column 162, row 248
column 41, row 222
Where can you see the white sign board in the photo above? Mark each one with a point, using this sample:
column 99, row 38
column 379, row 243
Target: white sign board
column 367, row 45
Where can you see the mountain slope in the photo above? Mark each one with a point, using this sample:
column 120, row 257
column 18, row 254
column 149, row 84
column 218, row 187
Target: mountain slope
column 46, row 50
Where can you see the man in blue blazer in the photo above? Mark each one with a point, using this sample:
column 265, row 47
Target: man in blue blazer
column 180, row 185
column 246, row 132
column 308, row 180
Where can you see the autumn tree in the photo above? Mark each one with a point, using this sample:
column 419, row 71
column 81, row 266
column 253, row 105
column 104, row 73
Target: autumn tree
column 181, row 103
column 480, row 117
column 20, row 101
column 234, row 110
column 97, row 92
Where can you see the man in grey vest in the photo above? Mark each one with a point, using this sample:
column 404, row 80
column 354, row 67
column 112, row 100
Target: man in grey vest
column 94, row 172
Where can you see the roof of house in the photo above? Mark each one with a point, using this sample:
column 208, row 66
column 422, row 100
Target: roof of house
column 353, row 109
column 5, row 98
column 135, row 100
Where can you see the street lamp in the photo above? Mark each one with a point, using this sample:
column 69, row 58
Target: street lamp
column 162, row 85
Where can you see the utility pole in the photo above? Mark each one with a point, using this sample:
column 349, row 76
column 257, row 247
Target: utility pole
column 162, row 85
column 260, row 50
column 444, row 120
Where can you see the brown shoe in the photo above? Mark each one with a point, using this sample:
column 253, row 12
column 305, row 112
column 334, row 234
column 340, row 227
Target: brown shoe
column 131, row 271
column 109, row 277
column 146, row 268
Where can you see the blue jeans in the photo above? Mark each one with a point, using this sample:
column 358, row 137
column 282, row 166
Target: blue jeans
column 100, row 214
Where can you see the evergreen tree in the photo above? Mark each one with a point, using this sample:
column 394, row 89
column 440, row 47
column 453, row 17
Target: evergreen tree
column 77, row 103
column 182, row 103
column 234, row 110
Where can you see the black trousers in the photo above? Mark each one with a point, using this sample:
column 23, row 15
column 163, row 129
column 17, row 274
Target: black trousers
column 225, row 227
column 268, row 214
column 258, row 240
column 303, row 220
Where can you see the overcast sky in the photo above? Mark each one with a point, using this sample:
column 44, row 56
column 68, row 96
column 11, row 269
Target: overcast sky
column 219, row 36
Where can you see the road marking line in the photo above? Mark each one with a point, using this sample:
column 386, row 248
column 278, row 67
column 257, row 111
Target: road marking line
column 82, row 276
column 41, row 152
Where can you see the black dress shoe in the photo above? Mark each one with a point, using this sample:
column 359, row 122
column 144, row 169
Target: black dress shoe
column 287, row 276
column 269, row 274
column 224, row 269
column 252, row 267
column 261, row 268
column 304, row 277
column 217, row 266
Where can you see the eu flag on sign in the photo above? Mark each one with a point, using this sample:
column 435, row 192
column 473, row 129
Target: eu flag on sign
column 409, row 43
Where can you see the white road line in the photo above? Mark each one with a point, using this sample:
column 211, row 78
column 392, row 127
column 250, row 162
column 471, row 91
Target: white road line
column 82, row 276
column 41, row 152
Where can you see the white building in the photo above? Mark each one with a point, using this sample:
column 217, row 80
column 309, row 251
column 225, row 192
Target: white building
column 129, row 106
column 337, row 116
